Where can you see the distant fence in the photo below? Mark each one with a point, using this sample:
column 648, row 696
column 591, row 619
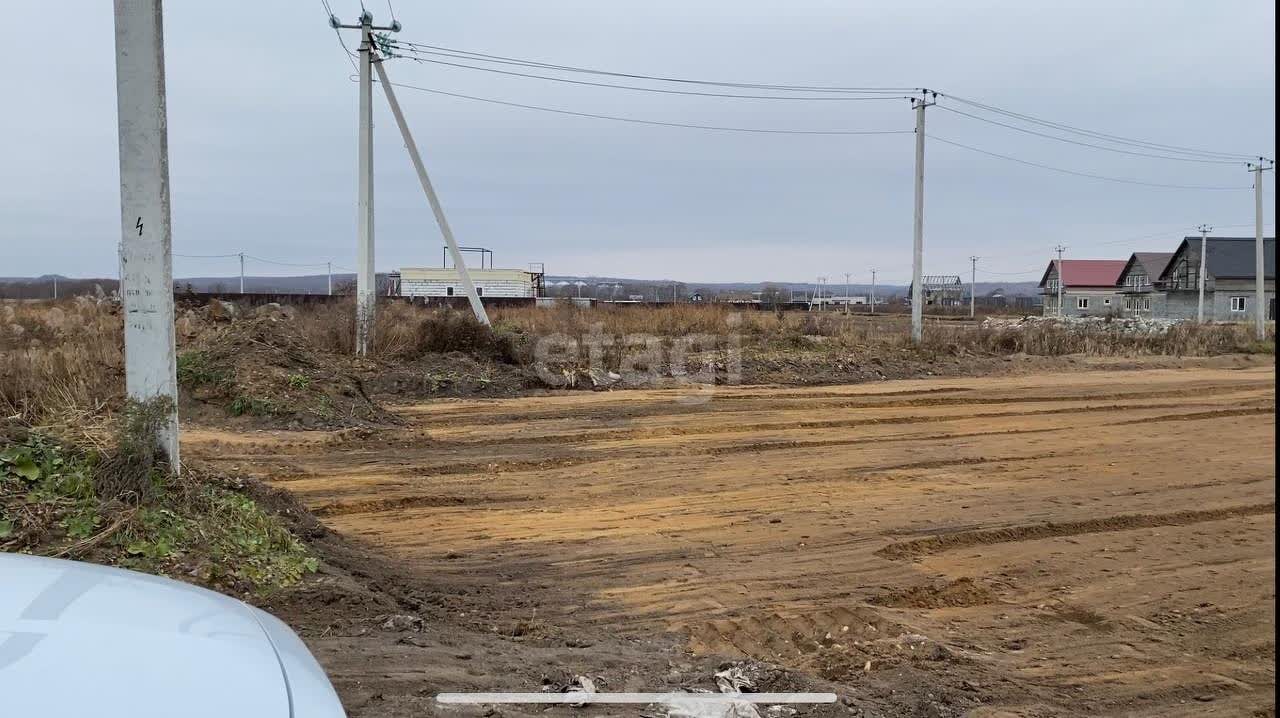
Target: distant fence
column 255, row 299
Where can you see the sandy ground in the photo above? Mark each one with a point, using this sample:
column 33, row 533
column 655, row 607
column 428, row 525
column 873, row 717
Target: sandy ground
column 1018, row 545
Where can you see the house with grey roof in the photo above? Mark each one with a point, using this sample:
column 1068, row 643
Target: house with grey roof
column 1230, row 271
column 1142, row 291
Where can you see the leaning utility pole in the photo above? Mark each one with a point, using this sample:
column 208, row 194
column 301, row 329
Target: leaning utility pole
column 973, row 285
column 1204, row 252
column 458, row 262
column 146, row 246
column 1260, row 295
column 917, row 249
column 1060, row 250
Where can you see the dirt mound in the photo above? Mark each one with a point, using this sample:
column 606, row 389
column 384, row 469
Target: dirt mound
column 71, row 501
column 953, row 594
column 454, row 374
column 263, row 370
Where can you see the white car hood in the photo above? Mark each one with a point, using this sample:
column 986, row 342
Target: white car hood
column 79, row 639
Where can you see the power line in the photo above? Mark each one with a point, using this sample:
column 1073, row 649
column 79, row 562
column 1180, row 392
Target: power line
column 206, row 256
column 1087, row 144
column 284, row 264
column 502, row 59
column 1084, row 174
column 1116, row 139
column 1010, row 274
column 1202, row 155
column 656, row 90
column 634, row 120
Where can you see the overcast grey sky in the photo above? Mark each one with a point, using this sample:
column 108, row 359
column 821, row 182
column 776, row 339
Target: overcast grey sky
column 262, row 121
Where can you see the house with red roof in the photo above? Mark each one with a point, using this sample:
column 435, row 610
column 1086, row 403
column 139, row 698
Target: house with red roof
column 1089, row 287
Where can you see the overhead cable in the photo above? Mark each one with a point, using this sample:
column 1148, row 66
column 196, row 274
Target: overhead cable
column 1087, row 144
column 502, row 59
column 1116, row 139
column 1062, row 170
column 657, row 90
column 634, row 120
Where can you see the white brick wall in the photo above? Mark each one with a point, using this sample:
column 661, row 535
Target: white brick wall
column 439, row 282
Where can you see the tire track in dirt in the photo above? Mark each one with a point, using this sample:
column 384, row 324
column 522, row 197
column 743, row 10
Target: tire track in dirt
column 666, row 431
column 509, row 466
column 666, row 406
column 1124, row 522
column 347, row 508
column 1200, row 415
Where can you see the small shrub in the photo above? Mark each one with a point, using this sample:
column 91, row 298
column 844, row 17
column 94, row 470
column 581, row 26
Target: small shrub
column 197, row 368
column 251, row 405
column 299, row 381
column 135, row 468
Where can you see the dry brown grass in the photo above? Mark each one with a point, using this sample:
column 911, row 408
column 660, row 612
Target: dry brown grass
column 61, row 363
column 65, row 365
column 836, row 331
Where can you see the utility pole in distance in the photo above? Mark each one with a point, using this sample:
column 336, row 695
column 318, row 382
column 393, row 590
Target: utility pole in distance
column 1060, row 249
column 1260, row 295
column 1204, row 252
column 917, row 249
column 242, row 272
column 873, row 291
column 973, row 285
column 329, row 267
column 146, row 246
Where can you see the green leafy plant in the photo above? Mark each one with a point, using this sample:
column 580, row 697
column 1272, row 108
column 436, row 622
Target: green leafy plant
column 251, row 405
column 198, row 368
column 299, row 381
column 55, row 500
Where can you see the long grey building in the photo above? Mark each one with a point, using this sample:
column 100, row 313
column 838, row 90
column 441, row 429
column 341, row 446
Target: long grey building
column 1230, row 277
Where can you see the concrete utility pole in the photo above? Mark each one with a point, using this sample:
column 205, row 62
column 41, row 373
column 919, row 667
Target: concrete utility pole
column 242, row 272
column 329, row 267
column 1204, row 252
column 366, row 272
column 873, row 291
column 146, row 246
column 973, row 286
column 917, row 249
column 846, row 293
column 1060, row 250
column 1260, row 294
column 458, row 262
column 55, row 286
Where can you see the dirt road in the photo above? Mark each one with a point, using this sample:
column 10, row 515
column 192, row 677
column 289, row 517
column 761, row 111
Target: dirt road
column 1100, row 539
